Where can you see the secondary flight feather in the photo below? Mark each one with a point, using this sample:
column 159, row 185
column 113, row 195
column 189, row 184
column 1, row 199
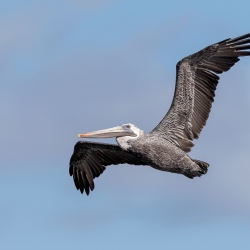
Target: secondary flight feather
column 165, row 147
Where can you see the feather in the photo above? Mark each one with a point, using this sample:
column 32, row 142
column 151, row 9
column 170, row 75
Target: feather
column 196, row 81
column 90, row 159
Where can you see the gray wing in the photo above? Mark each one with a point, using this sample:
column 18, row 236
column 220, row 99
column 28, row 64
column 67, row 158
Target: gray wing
column 196, row 81
column 90, row 159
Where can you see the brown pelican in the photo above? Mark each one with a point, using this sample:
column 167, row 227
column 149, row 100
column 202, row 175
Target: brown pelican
column 165, row 147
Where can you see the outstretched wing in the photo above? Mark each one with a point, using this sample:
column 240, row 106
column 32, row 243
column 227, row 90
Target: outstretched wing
column 90, row 159
column 196, row 82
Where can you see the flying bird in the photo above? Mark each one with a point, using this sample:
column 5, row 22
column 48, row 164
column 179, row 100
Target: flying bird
column 166, row 146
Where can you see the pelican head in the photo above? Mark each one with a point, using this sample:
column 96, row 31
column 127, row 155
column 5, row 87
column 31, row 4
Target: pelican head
column 125, row 134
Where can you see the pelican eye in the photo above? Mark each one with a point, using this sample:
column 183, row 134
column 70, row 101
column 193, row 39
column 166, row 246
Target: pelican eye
column 128, row 126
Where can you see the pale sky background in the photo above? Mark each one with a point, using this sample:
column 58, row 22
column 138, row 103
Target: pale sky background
column 73, row 66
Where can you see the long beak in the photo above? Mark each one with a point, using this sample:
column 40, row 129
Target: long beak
column 108, row 133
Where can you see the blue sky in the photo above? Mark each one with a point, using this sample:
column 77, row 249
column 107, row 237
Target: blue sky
column 69, row 67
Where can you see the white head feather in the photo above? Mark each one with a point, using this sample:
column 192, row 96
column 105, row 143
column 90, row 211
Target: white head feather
column 125, row 141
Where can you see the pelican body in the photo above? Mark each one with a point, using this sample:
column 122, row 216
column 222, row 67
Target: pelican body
column 166, row 146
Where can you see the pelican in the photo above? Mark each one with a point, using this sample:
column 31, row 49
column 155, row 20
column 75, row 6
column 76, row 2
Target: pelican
column 166, row 146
